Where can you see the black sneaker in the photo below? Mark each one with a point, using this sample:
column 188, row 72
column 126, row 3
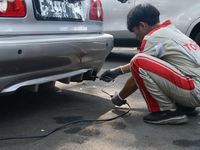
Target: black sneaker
column 166, row 117
column 188, row 110
column 192, row 111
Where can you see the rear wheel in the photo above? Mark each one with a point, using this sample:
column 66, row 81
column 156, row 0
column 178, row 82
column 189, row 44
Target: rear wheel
column 197, row 38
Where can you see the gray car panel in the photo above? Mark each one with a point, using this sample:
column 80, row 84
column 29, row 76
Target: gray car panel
column 34, row 52
column 30, row 25
column 185, row 15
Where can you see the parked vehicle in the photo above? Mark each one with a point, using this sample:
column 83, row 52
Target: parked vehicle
column 43, row 41
column 185, row 15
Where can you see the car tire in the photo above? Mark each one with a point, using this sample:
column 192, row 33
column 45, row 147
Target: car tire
column 197, row 38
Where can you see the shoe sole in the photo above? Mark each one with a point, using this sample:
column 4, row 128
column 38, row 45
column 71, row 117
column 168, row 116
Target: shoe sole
column 174, row 120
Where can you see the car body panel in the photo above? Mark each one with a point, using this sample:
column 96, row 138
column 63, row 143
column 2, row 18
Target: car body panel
column 43, row 80
column 30, row 25
column 183, row 14
column 33, row 52
column 115, row 18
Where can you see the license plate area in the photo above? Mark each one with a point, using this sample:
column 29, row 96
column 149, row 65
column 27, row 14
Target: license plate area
column 63, row 10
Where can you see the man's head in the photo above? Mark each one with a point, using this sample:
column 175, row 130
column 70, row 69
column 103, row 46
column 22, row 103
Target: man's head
column 142, row 19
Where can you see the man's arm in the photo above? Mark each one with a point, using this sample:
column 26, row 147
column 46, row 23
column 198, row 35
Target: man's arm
column 126, row 68
column 128, row 88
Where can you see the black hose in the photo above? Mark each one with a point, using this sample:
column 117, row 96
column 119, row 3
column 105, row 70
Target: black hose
column 73, row 122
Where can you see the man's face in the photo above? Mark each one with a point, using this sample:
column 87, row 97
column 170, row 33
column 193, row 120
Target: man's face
column 138, row 33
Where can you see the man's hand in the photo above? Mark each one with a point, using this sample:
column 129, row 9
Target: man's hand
column 111, row 74
column 117, row 100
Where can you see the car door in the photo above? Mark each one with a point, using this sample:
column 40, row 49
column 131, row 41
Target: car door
column 182, row 14
column 116, row 16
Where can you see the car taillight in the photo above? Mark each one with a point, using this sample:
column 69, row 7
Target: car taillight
column 12, row 8
column 96, row 10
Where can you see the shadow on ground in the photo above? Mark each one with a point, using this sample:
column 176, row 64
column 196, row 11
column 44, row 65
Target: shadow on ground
column 31, row 114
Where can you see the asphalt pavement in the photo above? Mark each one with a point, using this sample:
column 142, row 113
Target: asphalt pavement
column 30, row 114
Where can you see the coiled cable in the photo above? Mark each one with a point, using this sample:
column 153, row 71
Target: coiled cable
column 72, row 122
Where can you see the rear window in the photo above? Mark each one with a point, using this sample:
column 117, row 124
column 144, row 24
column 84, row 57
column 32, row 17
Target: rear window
column 64, row 10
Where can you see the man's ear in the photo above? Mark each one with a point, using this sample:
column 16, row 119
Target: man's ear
column 143, row 25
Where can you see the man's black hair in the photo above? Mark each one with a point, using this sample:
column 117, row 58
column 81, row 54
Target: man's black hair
column 142, row 13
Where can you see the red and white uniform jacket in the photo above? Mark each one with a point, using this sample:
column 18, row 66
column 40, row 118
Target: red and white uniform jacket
column 167, row 70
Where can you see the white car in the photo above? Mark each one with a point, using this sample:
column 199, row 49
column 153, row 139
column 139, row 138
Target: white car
column 43, row 41
column 185, row 15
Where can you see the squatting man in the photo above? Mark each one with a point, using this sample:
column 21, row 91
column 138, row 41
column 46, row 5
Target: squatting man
column 166, row 71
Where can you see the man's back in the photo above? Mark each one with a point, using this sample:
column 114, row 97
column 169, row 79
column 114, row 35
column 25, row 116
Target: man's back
column 172, row 46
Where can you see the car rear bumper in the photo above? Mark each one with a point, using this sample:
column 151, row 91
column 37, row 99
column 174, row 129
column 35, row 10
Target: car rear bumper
column 25, row 58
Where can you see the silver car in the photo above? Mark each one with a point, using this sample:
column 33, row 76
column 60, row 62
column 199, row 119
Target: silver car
column 43, row 41
column 185, row 15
